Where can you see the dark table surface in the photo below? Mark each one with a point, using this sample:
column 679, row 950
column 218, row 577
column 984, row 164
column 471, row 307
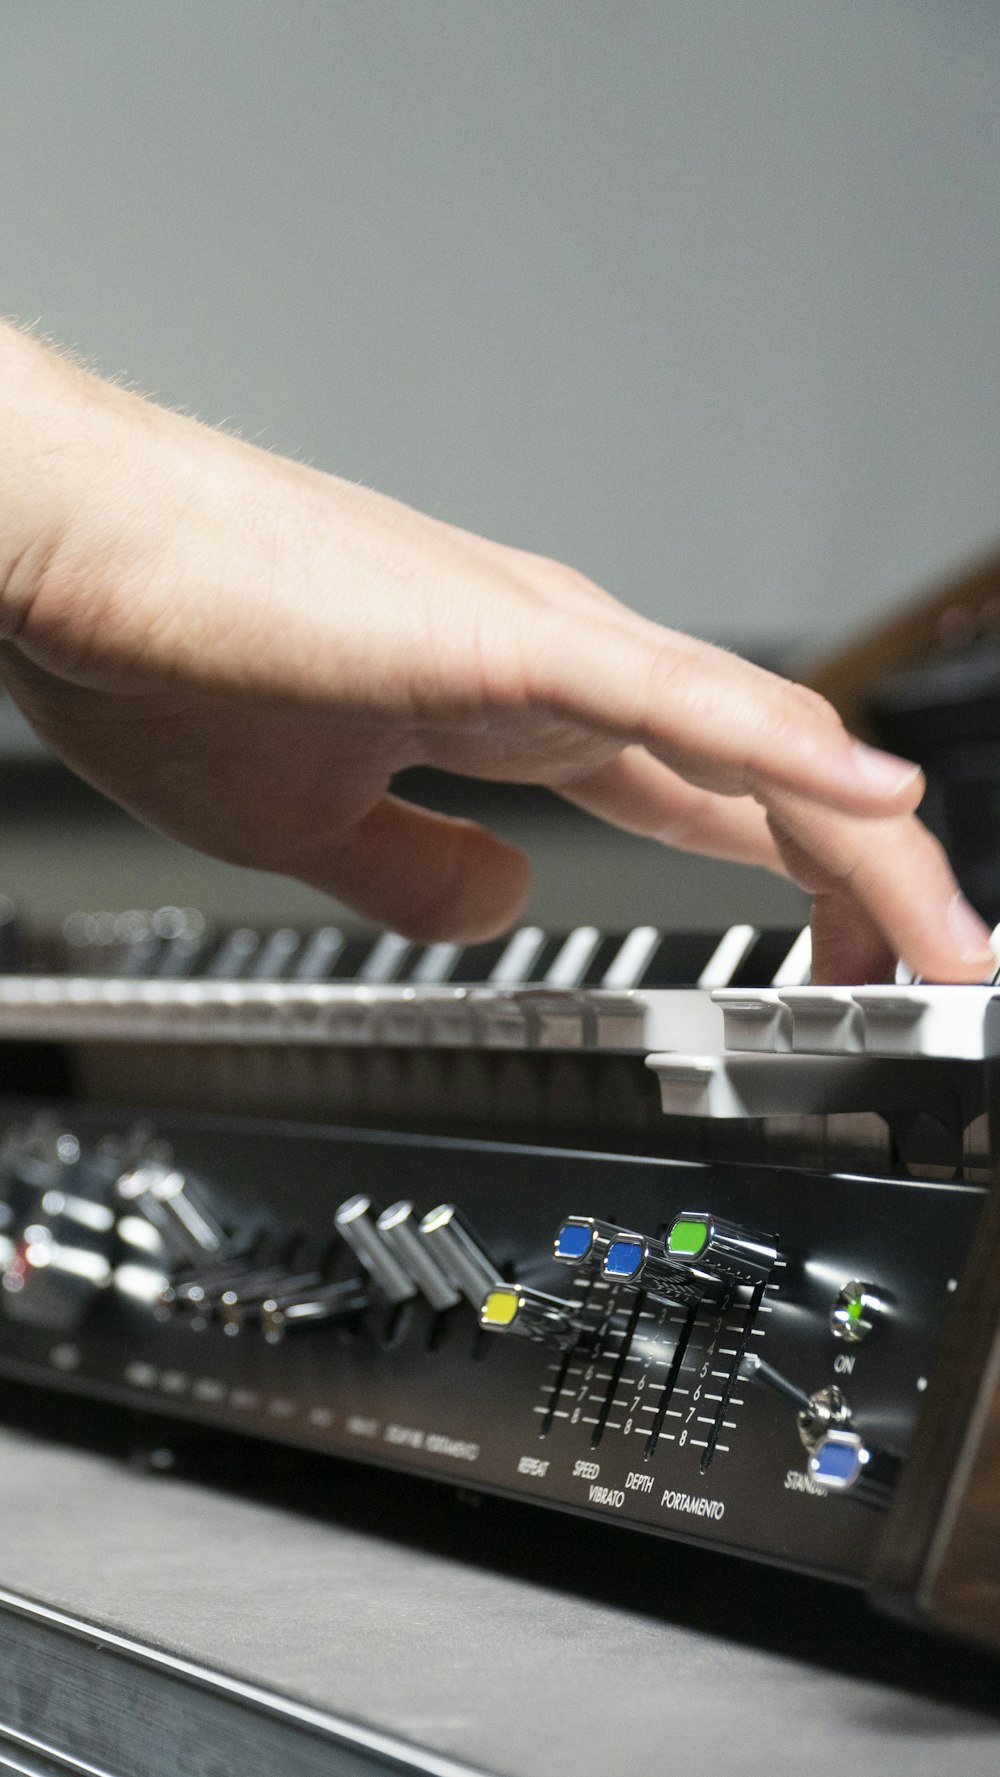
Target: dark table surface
column 507, row 1639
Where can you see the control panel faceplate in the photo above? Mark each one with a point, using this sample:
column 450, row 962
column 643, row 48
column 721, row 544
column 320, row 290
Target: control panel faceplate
column 733, row 1354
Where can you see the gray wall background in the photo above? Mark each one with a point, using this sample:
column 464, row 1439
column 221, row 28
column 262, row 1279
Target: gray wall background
column 701, row 297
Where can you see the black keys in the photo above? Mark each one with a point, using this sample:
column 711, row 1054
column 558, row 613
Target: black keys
column 178, row 958
column 439, row 965
column 232, row 959
column 517, row 959
column 586, row 957
column 11, row 939
column 435, row 965
column 319, row 954
column 275, row 956
column 527, row 958
column 764, row 959
column 386, row 960
column 679, row 959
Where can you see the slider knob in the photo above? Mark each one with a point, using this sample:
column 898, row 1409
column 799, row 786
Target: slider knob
column 51, row 1274
column 844, row 1462
column 511, row 1308
column 716, row 1248
column 621, row 1256
column 583, row 1241
column 52, row 1282
column 640, row 1262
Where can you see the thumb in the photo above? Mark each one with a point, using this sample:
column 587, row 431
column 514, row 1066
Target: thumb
column 422, row 874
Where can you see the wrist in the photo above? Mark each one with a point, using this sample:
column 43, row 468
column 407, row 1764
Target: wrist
column 73, row 493
column 37, row 423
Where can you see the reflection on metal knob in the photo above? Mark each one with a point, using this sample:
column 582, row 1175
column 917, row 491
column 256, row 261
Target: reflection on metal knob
column 844, row 1462
column 241, row 1304
column 718, row 1248
column 643, row 1263
column 200, row 1294
column 177, row 1208
column 583, row 1241
column 355, row 1220
column 459, row 1254
column 398, row 1227
column 511, row 1308
column 855, row 1310
column 285, row 1312
column 827, row 1410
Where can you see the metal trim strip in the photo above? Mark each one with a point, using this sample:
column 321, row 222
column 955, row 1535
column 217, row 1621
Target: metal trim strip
column 349, row 1734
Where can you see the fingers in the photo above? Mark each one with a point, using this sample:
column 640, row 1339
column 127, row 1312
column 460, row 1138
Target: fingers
column 721, row 723
column 636, row 792
column 848, row 948
column 422, row 874
column 897, row 874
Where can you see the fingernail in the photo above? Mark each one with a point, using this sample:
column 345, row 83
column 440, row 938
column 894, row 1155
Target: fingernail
column 883, row 771
column 970, row 933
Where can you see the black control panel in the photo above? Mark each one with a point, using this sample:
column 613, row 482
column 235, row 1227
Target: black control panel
column 729, row 1353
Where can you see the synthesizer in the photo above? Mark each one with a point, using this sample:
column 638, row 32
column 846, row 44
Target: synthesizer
column 638, row 1225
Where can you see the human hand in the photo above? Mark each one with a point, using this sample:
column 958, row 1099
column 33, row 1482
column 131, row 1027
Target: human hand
column 244, row 652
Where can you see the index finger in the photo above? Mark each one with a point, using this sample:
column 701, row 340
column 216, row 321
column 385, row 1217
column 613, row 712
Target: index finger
column 898, row 873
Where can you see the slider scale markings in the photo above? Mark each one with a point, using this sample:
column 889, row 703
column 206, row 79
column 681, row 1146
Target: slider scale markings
column 603, row 1421
column 748, row 1329
column 564, row 1369
column 670, row 1385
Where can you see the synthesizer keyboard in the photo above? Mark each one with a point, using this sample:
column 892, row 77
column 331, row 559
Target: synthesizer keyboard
column 639, row 1225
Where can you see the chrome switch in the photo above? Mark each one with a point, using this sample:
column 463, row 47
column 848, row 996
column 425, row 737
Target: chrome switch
column 583, row 1241
column 719, row 1250
column 288, row 1310
column 511, row 1308
column 459, row 1254
column 355, row 1221
column 178, row 1209
column 399, row 1229
column 643, row 1263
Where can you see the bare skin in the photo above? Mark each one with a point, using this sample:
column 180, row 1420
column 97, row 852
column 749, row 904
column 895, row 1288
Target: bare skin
column 244, row 651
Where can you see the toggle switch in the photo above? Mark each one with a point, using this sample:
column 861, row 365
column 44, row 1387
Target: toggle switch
column 459, row 1254
column 355, row 1221
column 510, row 1308
column 398, row 1227
column 827, row 1409
column 840, row 1459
